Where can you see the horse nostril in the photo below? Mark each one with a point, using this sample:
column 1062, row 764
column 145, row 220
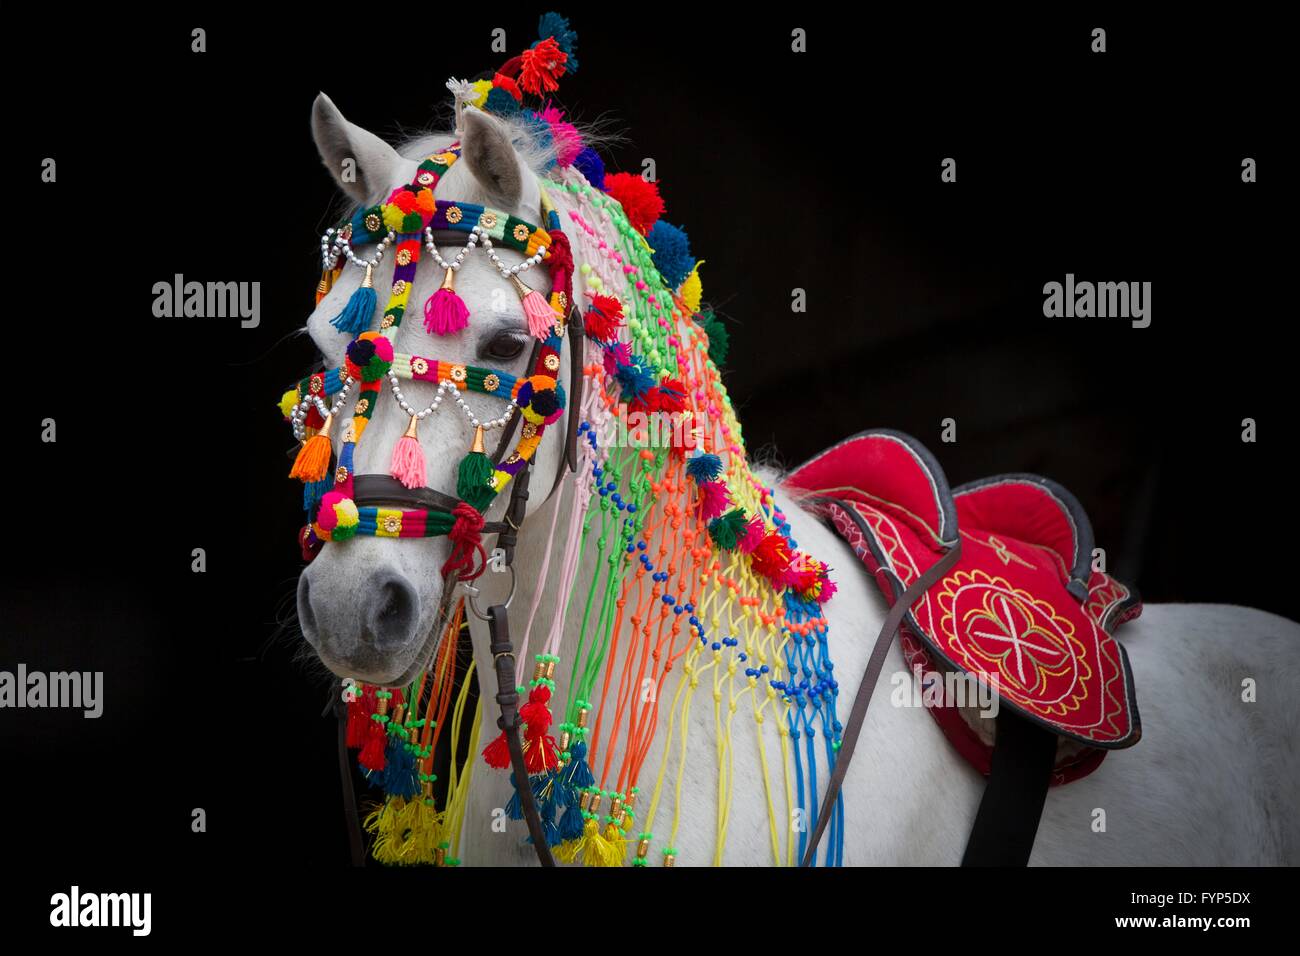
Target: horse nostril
column 306, row 616
column 391, row 615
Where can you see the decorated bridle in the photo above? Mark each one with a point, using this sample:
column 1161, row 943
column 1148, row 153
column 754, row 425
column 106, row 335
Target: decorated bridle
column 658, row 352
column 399, row 504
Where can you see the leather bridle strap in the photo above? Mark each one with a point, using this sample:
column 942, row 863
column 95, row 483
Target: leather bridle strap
column 503, row 662
column 853, row 727
column 352, row 819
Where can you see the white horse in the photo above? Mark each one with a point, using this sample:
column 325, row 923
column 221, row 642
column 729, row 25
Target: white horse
column 1214, row 780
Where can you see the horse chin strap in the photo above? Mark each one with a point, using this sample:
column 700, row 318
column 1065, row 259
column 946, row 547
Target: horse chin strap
column 383, row 489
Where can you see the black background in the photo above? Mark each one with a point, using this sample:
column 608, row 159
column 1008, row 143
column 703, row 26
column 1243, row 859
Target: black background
column 818, row 171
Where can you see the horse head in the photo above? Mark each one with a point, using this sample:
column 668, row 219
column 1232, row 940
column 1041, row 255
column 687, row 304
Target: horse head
column 372, row 605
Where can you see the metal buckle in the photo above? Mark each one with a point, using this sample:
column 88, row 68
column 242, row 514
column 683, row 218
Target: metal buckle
column 472, row 591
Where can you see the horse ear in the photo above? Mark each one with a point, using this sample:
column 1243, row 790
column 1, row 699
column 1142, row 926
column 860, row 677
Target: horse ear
column 361, row 163
column 487, row 150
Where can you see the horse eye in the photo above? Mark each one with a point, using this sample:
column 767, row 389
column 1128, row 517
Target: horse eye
column 503, row 345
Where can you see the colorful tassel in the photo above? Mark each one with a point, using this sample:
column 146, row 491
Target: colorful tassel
column 541, row 317
column 372, row 753
column 474, row 477
column 445, row 312
column 727, row 530
column 400, row 773
column 313, row 461
column 359, row 711
column 407, row 464
column 497, row 753
column 360, row 310
column 391, row 826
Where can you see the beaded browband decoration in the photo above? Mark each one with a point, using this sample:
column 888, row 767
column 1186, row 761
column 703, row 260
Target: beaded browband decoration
column 406, row 222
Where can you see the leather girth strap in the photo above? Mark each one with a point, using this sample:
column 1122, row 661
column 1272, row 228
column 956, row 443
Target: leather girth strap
column 853, row 727
column 503, row 662
column 1019, row 773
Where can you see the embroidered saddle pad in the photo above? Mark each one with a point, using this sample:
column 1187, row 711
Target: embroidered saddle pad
column 1021, row 610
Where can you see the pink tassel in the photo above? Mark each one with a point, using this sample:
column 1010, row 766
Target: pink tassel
column 444, row 311
column 540, row 315
column 407, row 465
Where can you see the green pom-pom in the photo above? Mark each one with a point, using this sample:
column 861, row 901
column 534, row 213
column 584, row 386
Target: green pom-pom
column 719, row 337
column 472, row 480
column 726, row 529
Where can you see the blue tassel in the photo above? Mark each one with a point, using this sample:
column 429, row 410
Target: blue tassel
column 580, row 777
column 356, row 315
column 400, row 776
column 313, row 491
column 514, row 808
column 704, row 467
column 571, row 823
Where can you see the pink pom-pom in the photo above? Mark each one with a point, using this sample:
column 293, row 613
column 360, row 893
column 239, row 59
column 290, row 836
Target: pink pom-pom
column 713, row 499
column 407, row 465
column 445, row 312
column 754, row 533
column 328, row 518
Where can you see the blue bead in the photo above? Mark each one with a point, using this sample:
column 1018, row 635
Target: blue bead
column 717, row 646
column 677, row 609
column 640, row 545
column 764, row 668
column 667, row 599
column 690, row 607
column 744, row 656
column 632, row 508
column 695, row 620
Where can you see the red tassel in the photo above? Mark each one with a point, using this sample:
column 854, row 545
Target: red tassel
column 372, row 754
column 535, row 713
column 497, row 753
column 539, row 753
column 359, row 712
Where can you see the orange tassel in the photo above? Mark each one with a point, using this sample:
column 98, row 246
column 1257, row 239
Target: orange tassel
column 313, row 461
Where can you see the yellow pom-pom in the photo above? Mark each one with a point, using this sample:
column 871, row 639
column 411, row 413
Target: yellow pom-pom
column 481, row 90
column 692, row 290
column 287, row 402
column 393, row 217
column 347, row 513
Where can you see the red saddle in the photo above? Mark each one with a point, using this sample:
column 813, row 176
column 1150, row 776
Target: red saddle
column 1022, row 609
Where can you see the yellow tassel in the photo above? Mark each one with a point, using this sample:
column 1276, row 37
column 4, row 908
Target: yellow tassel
column 313, row 461
column 389, row 824
column 594, row 849
column 604, row 849
column 423, row 838
column 692, row 290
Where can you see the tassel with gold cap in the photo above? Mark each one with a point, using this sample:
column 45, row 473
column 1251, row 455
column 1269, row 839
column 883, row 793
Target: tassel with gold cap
column 474, row 477
column 313, row 461
column 357, row 314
